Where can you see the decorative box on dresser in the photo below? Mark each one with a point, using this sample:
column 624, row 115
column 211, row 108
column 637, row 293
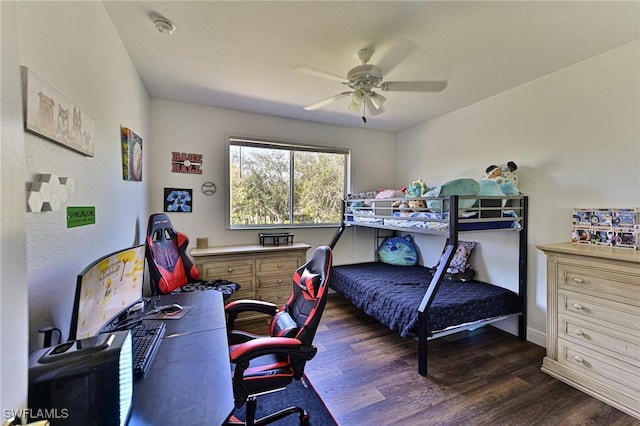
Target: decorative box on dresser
column 263, row 272
column 593, row 321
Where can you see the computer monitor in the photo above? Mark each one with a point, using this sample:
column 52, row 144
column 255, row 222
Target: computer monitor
column 105, row 290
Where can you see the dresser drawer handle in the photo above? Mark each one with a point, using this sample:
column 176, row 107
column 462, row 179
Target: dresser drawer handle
column 279, row 265
column 578, row 359
column 577, row 306
column 280, row 281
column 279, row 296
column 578, row 280
column 230, row 270
column 578, row 332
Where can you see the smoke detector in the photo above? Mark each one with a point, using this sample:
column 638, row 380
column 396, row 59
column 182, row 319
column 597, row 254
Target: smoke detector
column 163, row 25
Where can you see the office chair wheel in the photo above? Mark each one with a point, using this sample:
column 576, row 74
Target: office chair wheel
column 305, row 419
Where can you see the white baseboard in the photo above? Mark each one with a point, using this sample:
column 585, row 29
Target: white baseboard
column 537, row 337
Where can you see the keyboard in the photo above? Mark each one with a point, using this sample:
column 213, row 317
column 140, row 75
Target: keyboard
column 146, row 339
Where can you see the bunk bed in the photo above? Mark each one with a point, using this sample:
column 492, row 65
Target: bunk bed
column 417, row 301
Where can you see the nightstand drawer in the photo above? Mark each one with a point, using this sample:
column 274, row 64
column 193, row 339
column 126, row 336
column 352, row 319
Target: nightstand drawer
column 596, row 309
column 613, row 342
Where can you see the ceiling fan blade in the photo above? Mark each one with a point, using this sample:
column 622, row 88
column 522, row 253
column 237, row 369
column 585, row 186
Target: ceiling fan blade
column 319, row 73
column 388, row 55
column 327, row 101
column 413, row 86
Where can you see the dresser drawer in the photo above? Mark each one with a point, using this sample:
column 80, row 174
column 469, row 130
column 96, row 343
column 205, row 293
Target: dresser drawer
column 595, row 309
column 228, row 270
column 282, row 265
column 618, row 375
column 247, row 288
column 275, row 281
column 613, row 342
column 624, row 287
column 274, row 296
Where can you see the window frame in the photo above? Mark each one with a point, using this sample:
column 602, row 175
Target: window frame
column 234, row 140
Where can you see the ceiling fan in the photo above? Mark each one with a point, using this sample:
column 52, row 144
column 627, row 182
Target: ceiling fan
column 362, row 80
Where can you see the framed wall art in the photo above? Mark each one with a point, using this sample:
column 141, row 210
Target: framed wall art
column 178, row 200
column 53, row 116
column 131, row 155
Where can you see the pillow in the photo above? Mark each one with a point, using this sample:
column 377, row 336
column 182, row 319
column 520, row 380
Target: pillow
column 307, row 281
column 398, row 251
column 464, row 186
column 460, row 261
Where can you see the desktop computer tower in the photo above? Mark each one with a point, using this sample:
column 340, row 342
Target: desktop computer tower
column 83, row 382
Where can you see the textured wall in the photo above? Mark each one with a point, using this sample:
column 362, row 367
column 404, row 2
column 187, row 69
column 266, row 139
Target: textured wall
column 83, row 58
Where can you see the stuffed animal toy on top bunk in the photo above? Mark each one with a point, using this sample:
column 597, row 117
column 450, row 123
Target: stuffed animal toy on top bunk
column 500, row 180
column 418, row 188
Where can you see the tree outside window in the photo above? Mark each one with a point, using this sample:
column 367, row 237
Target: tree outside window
column 278, row 184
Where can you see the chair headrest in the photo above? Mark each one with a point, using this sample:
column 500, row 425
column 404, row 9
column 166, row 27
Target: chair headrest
column 308, row 281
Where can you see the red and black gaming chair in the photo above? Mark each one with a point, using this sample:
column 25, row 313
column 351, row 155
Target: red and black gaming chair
column 170, row 266
column 263, row 364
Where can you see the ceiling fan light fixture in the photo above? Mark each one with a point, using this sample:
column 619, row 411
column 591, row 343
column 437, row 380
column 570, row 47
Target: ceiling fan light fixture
column 355, row 106
column 377, row 100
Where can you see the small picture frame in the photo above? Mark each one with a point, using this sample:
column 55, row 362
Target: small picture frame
column 178, row 200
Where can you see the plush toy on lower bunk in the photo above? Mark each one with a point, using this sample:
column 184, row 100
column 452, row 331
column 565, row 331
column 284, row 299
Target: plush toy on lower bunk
column 399, row 251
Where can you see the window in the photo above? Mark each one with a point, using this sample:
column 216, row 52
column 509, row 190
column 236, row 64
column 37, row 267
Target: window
column 273, row 184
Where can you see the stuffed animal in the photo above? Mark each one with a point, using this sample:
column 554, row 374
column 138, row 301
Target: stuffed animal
column 502, row 174
column 416, row 205
column 417, row 188
column 391, row 193
column 463, row 186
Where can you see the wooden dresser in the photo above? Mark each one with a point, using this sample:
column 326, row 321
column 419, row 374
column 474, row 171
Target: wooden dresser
column 593, row 321
column 263, row 272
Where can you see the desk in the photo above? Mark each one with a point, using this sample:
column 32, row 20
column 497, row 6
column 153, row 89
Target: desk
column 189, row 382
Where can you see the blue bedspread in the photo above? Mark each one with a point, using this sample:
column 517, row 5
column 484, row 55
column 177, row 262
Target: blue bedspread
column 392, row 295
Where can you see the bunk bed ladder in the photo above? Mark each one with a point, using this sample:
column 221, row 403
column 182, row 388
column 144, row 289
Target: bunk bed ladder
column 340, row 229
column 427, row 300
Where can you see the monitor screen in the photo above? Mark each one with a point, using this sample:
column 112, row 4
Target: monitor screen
column 106, row 289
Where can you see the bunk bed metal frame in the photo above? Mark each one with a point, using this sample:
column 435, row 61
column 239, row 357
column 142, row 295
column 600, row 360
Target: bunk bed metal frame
column 486, row 212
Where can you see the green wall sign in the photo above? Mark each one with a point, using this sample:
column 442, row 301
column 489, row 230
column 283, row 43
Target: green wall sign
column 81, row 216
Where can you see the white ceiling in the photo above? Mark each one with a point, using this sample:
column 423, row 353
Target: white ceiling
column 239, row 54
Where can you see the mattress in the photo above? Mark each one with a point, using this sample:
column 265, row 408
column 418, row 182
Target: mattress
column 392, row 295
column 433, row 220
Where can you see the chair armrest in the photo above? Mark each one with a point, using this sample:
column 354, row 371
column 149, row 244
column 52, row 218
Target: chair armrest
column 251, row 305
column 245, row 352
column 232, row 309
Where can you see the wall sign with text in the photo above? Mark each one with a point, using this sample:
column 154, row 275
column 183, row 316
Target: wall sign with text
column 182, row 162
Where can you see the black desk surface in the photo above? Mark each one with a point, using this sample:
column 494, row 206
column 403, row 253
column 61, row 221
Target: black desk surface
column 189, row 382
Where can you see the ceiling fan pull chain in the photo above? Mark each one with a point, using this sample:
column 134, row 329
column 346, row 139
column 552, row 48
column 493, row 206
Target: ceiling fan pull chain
column 364, row 114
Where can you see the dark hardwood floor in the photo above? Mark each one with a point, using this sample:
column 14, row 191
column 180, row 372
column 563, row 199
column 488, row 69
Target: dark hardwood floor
column 367, row 375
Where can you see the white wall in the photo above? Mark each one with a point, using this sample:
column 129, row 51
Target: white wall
column 178, row 126
column 74, row 47
column 13, row 249
column 575, row 135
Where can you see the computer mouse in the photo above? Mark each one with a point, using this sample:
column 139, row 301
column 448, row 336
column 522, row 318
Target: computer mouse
column 171, row 309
